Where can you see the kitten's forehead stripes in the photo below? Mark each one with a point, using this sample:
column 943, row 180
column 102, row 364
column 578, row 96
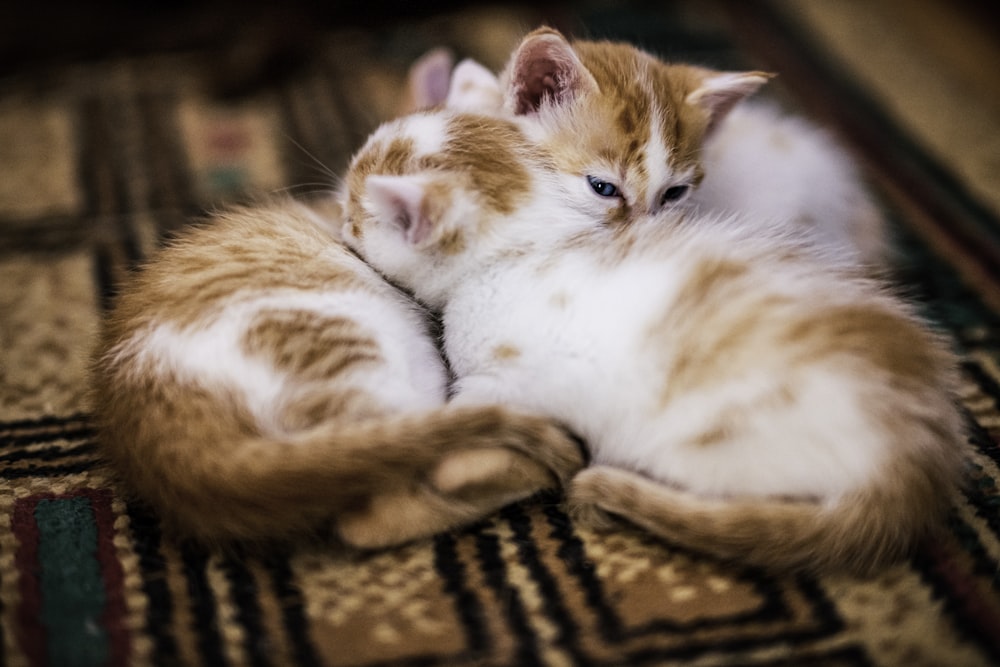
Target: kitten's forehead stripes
column 656, row 135
column 625, row 98
column 490, row 151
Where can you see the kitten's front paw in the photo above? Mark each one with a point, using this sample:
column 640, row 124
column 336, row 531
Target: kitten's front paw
column 531, row 440
column 484, row 471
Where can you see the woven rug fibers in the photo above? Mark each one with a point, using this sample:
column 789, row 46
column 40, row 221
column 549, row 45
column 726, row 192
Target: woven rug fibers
column 100, row 159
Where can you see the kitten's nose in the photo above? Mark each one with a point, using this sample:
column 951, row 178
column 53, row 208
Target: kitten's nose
column 655, row 205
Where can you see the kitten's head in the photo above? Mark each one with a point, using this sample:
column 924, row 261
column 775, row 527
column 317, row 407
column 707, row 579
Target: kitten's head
column 626, row 126
column 438, row 190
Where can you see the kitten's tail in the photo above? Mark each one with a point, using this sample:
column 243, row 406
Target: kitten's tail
column 859, row 533
column 440, row 469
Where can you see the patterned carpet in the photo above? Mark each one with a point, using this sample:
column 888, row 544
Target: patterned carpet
column 101, row 157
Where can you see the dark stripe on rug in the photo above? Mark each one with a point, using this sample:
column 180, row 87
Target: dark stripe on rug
column 494, row 569
column 553, row 605
column 170, row 183
column 969, row 600
column 45, row 421
column 44, row 453
column 571, row 552
column 453, row 574
column 984, row 442
column 203, row 605
column 986, row 382
column 980, row 489
column 774, row 608
column 44, row 233
column 244, row 592
column 824, row 611
column 111, row 265
column 293, row 611
column 146, row 539
column 101, row 177
column 827, row 624
column 46, row 471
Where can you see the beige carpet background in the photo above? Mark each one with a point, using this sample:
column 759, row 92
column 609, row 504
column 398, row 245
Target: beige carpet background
column 105, row 151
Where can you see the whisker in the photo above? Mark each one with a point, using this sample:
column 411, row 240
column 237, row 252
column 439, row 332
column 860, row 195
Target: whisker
column 317, row 162
column 319, row 187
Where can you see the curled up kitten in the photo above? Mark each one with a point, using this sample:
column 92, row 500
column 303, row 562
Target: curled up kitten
column 256, row 381
column 741, row 392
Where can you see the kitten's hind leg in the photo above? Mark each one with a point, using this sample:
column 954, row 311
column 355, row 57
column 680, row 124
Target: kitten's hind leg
column 465, row 487
column 599, row 492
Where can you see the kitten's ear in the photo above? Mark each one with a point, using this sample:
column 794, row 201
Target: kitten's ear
column 427, row 81
column 544, row 68
column 718, row 92
column 474, row 88
column 400, row 199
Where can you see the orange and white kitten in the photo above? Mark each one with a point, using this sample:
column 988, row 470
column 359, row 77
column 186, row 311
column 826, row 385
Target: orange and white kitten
column 256, row 380
column 740, row 391
column 649, row 135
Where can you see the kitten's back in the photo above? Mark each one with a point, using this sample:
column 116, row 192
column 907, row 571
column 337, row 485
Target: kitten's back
column 764, row 162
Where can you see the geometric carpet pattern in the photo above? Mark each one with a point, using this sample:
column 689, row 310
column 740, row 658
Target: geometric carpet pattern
column 102, row 159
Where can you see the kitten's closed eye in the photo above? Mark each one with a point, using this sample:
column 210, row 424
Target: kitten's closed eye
column 674, row 193
column 603, row 188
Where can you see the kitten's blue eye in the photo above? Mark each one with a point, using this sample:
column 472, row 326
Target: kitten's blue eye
column 674, row 193
column 602, row 188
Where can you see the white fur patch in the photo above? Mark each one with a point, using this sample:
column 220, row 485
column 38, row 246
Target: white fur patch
column 658, row 156
column 777, row 167
column 427, row 131
column 212, row 353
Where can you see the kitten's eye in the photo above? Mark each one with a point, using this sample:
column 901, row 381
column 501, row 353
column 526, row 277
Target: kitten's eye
column 674, row 193
column 602, row 188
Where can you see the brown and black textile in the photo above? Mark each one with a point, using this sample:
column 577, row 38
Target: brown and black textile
column 105, row 150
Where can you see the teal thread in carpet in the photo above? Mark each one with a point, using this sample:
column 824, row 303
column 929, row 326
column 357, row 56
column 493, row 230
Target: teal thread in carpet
column 71, row 586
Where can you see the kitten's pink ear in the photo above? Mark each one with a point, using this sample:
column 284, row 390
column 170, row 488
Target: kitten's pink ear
column 427, row 81
column 474, row 88
column 400, row 199
column 544, row 68
column 718, row 92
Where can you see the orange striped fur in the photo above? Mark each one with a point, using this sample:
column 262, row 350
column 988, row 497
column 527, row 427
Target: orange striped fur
column 257, row 381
